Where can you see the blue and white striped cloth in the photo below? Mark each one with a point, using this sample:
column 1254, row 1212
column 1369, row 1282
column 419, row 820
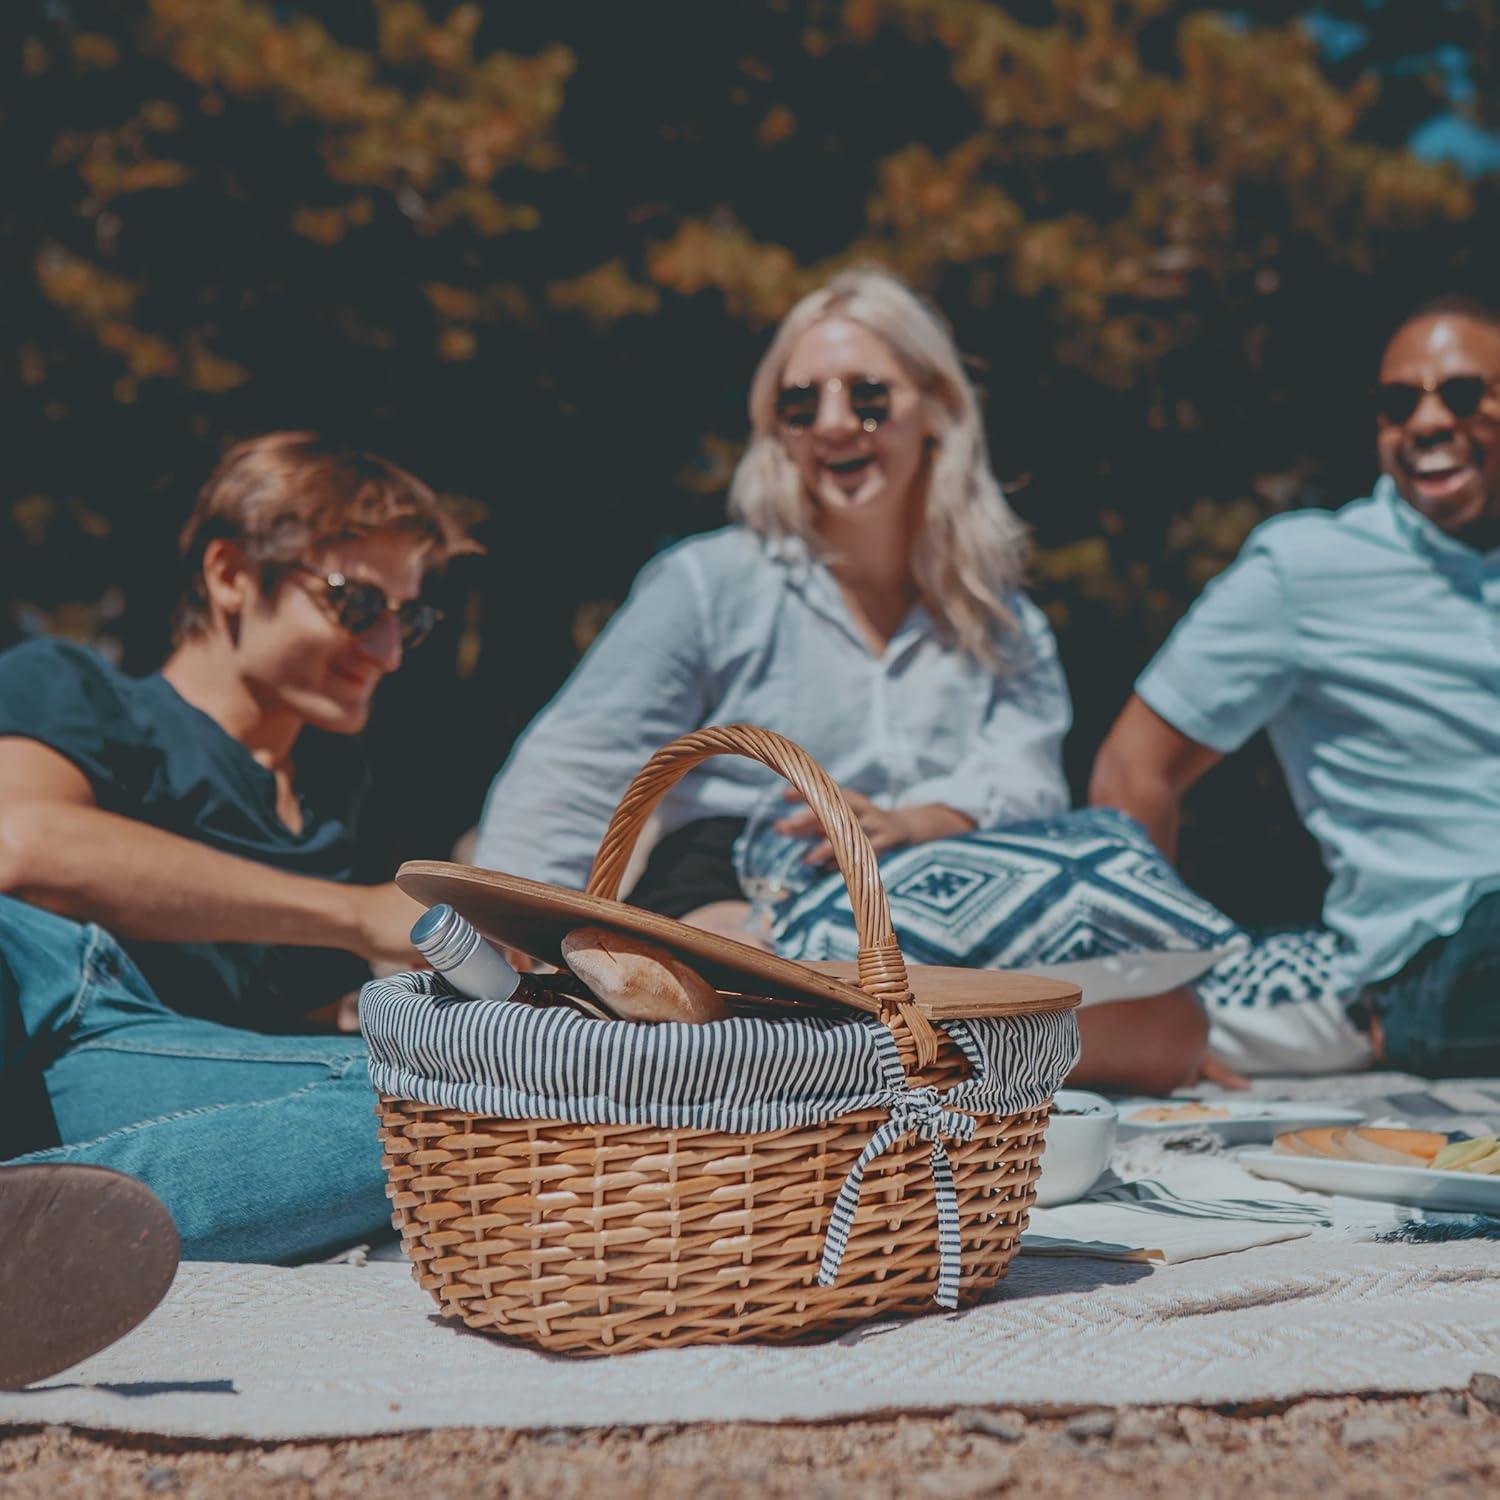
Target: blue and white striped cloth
column 741, row 1076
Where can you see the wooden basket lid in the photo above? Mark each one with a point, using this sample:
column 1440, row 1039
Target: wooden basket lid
column 534, row 917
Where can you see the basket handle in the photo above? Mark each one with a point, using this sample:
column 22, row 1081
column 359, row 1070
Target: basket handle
column 882, row 969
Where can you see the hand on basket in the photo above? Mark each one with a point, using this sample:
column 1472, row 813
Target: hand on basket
column 384, row 915
column 383, row 918
column 885, row 827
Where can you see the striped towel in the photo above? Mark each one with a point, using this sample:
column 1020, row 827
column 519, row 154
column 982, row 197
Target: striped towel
column 1192, row 1214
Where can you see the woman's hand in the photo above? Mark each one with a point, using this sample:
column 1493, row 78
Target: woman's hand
column 885, row 827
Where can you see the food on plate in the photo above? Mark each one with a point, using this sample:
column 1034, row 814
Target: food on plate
column 1173, row 1114
column 1357, row 1145
column 1423, row 1143
column 1292, row 1144
column 639, row 981
column 1327, row 1140
column 1457, row 1156
column 1396, row 1148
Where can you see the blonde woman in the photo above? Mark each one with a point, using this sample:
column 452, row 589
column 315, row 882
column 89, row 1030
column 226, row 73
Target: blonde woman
column 866, row 602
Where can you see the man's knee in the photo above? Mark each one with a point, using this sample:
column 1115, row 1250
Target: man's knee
column 1152, row 1045
column 1180, row 1043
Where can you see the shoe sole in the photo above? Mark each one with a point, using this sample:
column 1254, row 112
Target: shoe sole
column 86, row 1253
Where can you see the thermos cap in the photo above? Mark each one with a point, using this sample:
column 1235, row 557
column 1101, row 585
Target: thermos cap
column 455, row 949
column 429, row 924
column 444, row 938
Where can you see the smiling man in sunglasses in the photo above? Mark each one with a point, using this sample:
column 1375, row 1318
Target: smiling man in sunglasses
column 1367, row 642
column 176, row 853
column 205, row 814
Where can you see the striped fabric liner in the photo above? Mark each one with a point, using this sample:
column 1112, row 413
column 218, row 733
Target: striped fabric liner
column 742, row 1076
column 916, row 1112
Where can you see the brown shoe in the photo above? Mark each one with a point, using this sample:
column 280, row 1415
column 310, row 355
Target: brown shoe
column 85, row 1254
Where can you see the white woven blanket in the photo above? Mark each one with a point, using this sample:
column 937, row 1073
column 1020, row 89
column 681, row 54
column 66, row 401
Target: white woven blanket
column 262, row 1352
column 259, row 1352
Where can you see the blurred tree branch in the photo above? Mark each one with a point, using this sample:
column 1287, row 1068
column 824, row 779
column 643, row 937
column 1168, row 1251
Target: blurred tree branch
column 534, row 253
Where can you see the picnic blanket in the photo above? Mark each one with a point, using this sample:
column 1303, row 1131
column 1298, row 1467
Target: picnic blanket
column 263, row 1352
column 325, row 1351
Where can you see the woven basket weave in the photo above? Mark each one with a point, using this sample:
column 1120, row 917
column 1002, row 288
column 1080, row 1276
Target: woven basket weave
column 592, row 1239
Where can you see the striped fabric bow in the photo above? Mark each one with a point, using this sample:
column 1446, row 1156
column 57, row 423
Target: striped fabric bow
column 916, row 1112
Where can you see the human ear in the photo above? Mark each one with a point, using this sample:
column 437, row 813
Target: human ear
column 229, row 582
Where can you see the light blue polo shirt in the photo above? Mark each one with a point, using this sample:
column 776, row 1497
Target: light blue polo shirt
column 1368, row 644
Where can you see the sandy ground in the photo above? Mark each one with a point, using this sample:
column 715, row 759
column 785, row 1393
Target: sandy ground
column 1447, row 1444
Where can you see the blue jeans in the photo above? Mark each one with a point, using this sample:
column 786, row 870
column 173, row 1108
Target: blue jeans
column 1441, row 1013
column 262, row 1147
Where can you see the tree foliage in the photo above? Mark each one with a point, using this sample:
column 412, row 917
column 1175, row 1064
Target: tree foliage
column 533, row 252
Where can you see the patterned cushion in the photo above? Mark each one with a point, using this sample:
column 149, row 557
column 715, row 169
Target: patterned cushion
column 1289, row 966
column 1282, row 1006
column 1084, row 897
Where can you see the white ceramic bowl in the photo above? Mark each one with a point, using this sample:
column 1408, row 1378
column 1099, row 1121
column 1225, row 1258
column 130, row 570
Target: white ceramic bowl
column 1080, row 1136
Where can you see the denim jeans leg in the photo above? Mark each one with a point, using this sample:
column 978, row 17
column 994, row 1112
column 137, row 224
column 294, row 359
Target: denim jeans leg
column 288, row 1175
column 45, row 964
column 1441, row 1013
column 262, row 1147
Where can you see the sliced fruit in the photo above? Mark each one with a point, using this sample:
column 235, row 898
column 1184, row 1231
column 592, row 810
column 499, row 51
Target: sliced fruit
column 1420, row 1143
column 1359, row 1147
column 1327, row 1140
column 1293, row 1145
column 1488, row 1166
column 1457, row 1154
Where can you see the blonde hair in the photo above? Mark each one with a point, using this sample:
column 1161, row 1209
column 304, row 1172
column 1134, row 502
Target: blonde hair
column 971, row 548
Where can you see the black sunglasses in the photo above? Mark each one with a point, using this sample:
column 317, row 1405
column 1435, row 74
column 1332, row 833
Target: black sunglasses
column 1396, row 400
column 358, row 606
column 797, row 406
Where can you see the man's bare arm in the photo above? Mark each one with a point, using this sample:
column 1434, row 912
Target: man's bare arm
column 59, row 850
column 1145, row 768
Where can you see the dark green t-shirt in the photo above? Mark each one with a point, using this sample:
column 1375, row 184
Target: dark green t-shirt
column 151, row 756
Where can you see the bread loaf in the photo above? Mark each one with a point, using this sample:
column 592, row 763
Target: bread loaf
column 639, row 981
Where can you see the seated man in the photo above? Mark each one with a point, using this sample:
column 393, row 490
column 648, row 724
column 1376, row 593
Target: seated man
column 175, row 853
column 1367, row 641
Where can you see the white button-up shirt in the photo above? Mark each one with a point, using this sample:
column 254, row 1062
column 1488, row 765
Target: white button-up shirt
column 730, row 628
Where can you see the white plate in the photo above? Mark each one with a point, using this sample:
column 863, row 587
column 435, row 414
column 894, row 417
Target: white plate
column 1244, row 1122
column 1458, row 1192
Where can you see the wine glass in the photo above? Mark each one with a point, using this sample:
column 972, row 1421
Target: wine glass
column 769, row 862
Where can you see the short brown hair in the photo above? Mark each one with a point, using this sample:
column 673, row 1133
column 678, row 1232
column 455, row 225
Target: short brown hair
column 282, row 496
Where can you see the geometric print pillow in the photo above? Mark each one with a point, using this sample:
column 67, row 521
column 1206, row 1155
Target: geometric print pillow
column 1085, row 897
column 1282, row 1006
column 1283, row 966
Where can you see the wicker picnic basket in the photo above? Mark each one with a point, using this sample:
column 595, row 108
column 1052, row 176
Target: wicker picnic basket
column 589, row 1238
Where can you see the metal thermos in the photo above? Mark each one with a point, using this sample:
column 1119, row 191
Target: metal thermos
column 451, row 945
